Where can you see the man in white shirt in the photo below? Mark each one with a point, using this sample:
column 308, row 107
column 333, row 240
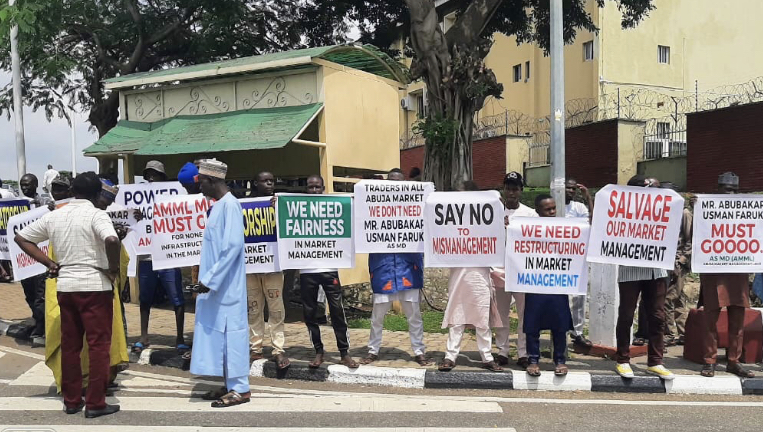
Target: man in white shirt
column 47, row 178
column 513, row 186
column 87, row 249
column 576, row 209
column 5, row 193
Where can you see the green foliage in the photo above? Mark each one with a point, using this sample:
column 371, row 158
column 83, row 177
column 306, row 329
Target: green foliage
column 393, row 322
column 437, row 130
column 68, row 47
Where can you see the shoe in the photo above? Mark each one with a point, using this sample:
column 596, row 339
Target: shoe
column 74, row 410
column 670, row 341
column 581, row 341
column 738, row 370
column 681, row 340
column 523, row 362
column 624, row 370
column 639, row 341
column 502, row 360
column 109, row 409
column 492, row 366
column 661, row 372
column 38, row 341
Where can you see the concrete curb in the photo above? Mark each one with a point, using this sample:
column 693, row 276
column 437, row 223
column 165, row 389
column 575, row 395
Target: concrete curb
column 429, row 378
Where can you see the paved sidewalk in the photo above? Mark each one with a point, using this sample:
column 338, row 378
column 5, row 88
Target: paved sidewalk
column 395, row 352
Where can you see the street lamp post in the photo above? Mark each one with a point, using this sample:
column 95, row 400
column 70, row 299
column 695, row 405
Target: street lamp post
column 557, row 107
column 18, row 106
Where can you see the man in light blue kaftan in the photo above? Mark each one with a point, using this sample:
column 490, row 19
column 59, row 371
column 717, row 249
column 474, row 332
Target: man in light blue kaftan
column 221, row 335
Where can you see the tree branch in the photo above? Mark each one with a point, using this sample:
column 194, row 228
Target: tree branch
column 132, row 8
column 170, row 28
column 470, row 25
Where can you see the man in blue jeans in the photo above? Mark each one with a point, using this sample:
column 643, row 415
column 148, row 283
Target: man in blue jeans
column 150, row 280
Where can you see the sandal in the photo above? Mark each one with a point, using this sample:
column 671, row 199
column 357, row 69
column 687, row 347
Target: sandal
column 349, row 362
column 186, row 355
column 738, row 370
column 281, row 361
column 214, row 395
column 422, row 360
column 561, row 369
column 708, row 370
column 138, row 347
column 447, row 365
column 232, row 398
column 317, row 362
column 533, row 370
column 370, row 358
column 639, row 341
column 492, row 366
column 502, row 360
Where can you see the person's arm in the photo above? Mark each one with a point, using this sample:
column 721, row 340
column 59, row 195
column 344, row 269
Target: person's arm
column 27, row 240
column 588, row 200
column 104, row 230
column 231, row 244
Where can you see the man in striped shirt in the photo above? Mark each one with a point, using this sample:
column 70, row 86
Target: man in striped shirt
column 652, row 284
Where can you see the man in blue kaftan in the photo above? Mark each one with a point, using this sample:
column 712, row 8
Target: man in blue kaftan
column 221, row 334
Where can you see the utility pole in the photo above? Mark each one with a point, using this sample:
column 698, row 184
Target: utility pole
column 557, row 108
column 18, row 106
column 73, row 117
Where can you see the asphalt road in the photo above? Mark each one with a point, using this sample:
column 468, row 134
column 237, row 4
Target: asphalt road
column 159, row 399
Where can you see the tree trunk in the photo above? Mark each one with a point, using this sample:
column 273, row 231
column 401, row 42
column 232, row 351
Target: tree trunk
column 104, row 114
column 457, row 83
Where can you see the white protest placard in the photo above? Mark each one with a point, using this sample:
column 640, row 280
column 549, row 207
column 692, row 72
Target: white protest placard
column 547, row 255
column 24, row 266
column 315, row 231
column 728, row 231
column 260, row 235
column 121, row 215
column 178, row 228
column 9, row 207
column 464, row 229
column 389, row 216
column 636, row 226
column 142, row 196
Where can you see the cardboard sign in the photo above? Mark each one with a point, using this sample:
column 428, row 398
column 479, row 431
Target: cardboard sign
column 260, row 235
column 24, row 266
column 121, row 215
column 9, row 207
column 142, row 197
column 315, row 231
column 178, row 228
column 728, row 231
column 464, row 229
column 636, row 226
column 547, row 255
column 389, row 216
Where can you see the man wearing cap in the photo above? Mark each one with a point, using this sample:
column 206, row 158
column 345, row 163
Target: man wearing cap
column 732, row 291
column 576, row 209
column 189, row 178
column 149, row 279
column 220, row 341
column 512, row 192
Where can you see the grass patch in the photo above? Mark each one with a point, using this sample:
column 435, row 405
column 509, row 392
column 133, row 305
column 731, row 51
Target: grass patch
column 394, row 322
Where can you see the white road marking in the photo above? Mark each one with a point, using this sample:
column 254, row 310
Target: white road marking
column 370, row 375
column 38, row 375
column 5, row 381
column 574, row 381
column 266, row 404
column 22, row 353
column 104, row 428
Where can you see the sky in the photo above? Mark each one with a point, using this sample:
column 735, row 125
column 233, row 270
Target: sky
column 46, row 143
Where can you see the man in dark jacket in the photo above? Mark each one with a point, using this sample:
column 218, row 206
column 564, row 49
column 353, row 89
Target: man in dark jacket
column 397, row 277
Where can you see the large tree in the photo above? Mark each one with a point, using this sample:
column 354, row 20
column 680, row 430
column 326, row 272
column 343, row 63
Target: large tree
column 68, row 47
column 452, row 63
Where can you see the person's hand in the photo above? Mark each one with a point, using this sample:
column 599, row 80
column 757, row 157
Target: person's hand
column 582, row 188
column 51, row 206
column 113, row 274
column 273, row 201
column 53, row 269
column 506, row 221
column 203, row 289
column 138, row 215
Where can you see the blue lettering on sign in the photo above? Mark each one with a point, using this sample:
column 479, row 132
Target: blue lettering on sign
column 548, row 280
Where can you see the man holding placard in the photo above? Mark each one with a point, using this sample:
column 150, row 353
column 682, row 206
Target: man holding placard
column 548, row 311
column 729, row 290
column 513, row 186
column 396, row 277
column 262, row 287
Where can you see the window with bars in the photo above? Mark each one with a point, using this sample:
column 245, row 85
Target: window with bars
column 518, row 73
column 663, row 53
column 527, row 71
column 588, row 51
